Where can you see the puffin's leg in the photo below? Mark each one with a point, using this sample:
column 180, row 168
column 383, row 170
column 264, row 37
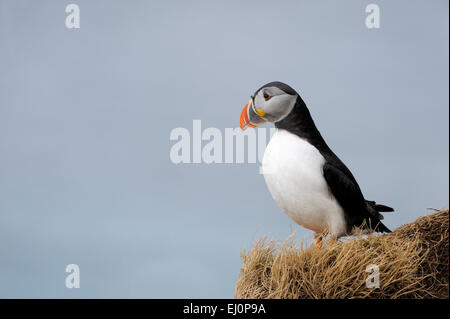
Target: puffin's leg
column 319, row 238
column 319, row 242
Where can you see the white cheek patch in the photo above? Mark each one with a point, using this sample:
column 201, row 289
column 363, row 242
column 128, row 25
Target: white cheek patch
column 280, row 106
column 277, row 107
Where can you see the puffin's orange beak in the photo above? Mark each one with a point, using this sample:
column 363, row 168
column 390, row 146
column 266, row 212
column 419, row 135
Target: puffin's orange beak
column 244, row 117
column 250, row 117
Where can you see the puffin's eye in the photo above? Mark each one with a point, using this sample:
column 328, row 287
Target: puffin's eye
column 266, row 96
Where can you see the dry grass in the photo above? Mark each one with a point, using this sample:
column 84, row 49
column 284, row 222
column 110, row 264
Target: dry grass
column 413, row 262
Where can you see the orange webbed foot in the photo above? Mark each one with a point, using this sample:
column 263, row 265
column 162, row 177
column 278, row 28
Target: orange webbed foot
column 319, row 242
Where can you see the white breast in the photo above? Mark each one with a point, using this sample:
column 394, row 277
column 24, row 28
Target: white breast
column 293, row 172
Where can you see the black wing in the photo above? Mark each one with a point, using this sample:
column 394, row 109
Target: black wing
column 349, row 196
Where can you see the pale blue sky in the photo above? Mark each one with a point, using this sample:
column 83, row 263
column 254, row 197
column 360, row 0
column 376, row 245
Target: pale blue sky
column 85, row 118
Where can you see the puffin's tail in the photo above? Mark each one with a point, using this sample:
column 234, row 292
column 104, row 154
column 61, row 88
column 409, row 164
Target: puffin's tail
column 374, row 211
column 380, row 227
column 378, row 207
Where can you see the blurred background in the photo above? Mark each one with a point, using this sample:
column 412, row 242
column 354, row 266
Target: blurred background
column 85, row 118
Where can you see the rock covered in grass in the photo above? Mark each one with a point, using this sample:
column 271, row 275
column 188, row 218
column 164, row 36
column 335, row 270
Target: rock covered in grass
column 413, row 262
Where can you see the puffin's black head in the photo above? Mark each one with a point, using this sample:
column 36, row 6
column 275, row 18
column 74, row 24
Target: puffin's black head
column 272, row 102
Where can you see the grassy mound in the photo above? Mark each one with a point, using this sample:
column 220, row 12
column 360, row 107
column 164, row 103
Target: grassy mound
column 413, row 262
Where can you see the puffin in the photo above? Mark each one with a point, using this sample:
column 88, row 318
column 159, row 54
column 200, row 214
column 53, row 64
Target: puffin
column 304, row 176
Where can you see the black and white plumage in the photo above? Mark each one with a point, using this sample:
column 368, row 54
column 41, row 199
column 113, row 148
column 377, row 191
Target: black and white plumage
column 305, row 178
